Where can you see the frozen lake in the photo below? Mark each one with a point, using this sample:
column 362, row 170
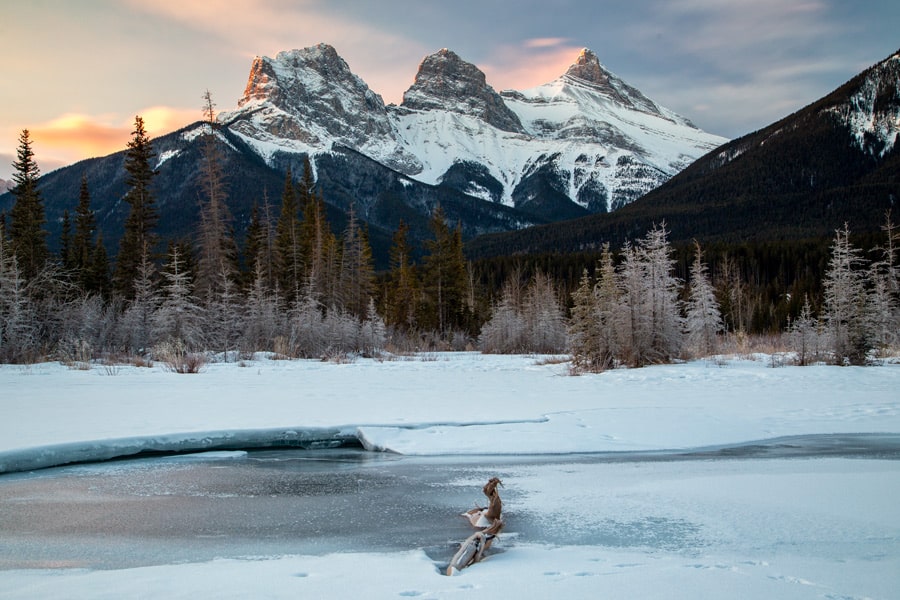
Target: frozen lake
column 750, row 500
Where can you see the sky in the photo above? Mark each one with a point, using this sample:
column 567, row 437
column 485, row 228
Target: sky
column 75, row 74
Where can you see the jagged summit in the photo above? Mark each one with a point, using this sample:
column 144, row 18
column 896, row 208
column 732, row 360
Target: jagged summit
column 308, row 100
column 447, row 82
column 587, row 67
column 588, row 71
column 585, row 142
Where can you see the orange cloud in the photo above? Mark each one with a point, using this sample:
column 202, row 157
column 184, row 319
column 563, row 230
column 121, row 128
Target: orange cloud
column 74, row 136
column 534, row 63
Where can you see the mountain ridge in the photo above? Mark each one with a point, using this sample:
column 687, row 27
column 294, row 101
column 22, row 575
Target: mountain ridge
column 494, row 161
column 833, row 161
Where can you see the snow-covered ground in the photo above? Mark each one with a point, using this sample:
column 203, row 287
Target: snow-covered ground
column 774, row 528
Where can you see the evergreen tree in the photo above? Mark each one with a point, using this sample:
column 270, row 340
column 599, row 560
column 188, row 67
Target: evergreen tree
column 592, row 328
column 66, row 256
column 262, row 319
column 584, row 327
column 844, row 309
column 505, row 331
column 26, row 228
column 96, row 275
column 704, row 321
column 633, row 319
column 445, row 278
column 138, row 238
column 402, row 297
column 83, row 246
column 803, row 335
column 357, row 272
column 137, row 320
column 372, row 332
column 662, row 289
column 178, row 317
column 288, row 259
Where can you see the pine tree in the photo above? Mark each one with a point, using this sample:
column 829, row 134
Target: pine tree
column 666, row 324
column 372, row 332
column 505, row 331
column 606, row 291
column 445, row 278
column 357, row 272
column 96, row 275
column 592, row 329
column 584, row 327
column 543, row 316
column 83, row 246
column 288, row 259
column 178, row 318
column 633, row 320
column 138, row 238
column 703, row 319
column 803, row 335
column 137, row 320
column 402, row 297
column 66, row 256
column 844, row 309
column 262, row 314
column 26, row 233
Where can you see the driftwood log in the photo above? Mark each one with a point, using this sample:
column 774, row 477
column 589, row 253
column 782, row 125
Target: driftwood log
column 472, row 550
column 483, row 518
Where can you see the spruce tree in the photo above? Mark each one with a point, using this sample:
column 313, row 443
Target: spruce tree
column 287, row 242
column 26, row 228
column 445, row 281
column 584, row 327
column 402, row 297
column 357, row 272
column 83, row 246
column 703, row 320
column 845, row 302
column 96, row 274
column 66, row 257
column 139, row 237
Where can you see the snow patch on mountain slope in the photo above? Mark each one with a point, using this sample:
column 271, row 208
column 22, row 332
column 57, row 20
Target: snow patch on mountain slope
column 873, row 112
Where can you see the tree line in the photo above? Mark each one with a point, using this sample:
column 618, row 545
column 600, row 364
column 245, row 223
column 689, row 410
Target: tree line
column 293, row 287
column 296, row 288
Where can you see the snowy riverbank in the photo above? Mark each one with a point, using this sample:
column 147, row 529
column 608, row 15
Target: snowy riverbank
column 774, row 528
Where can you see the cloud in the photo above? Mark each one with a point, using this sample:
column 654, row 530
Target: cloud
column 529, row 64
column 265, row 27
column 75, row 136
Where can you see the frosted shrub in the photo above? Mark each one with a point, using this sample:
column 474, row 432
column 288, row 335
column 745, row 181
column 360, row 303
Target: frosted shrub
column 177, row 359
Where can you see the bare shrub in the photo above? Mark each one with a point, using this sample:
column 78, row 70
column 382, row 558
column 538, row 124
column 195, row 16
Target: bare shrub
column 177, row 359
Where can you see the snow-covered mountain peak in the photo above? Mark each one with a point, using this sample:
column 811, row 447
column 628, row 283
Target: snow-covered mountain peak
column 584, row 142
column 447, row 82
column 308, row 100
column 587, row 67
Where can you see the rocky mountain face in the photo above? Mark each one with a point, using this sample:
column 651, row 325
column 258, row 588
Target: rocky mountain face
column 446, row 82
column 586, row 142
column 835, row 161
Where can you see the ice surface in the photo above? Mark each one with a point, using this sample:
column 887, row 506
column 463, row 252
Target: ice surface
column 798, row 528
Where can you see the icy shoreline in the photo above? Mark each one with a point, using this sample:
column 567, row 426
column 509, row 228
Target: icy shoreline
column 447, row 404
